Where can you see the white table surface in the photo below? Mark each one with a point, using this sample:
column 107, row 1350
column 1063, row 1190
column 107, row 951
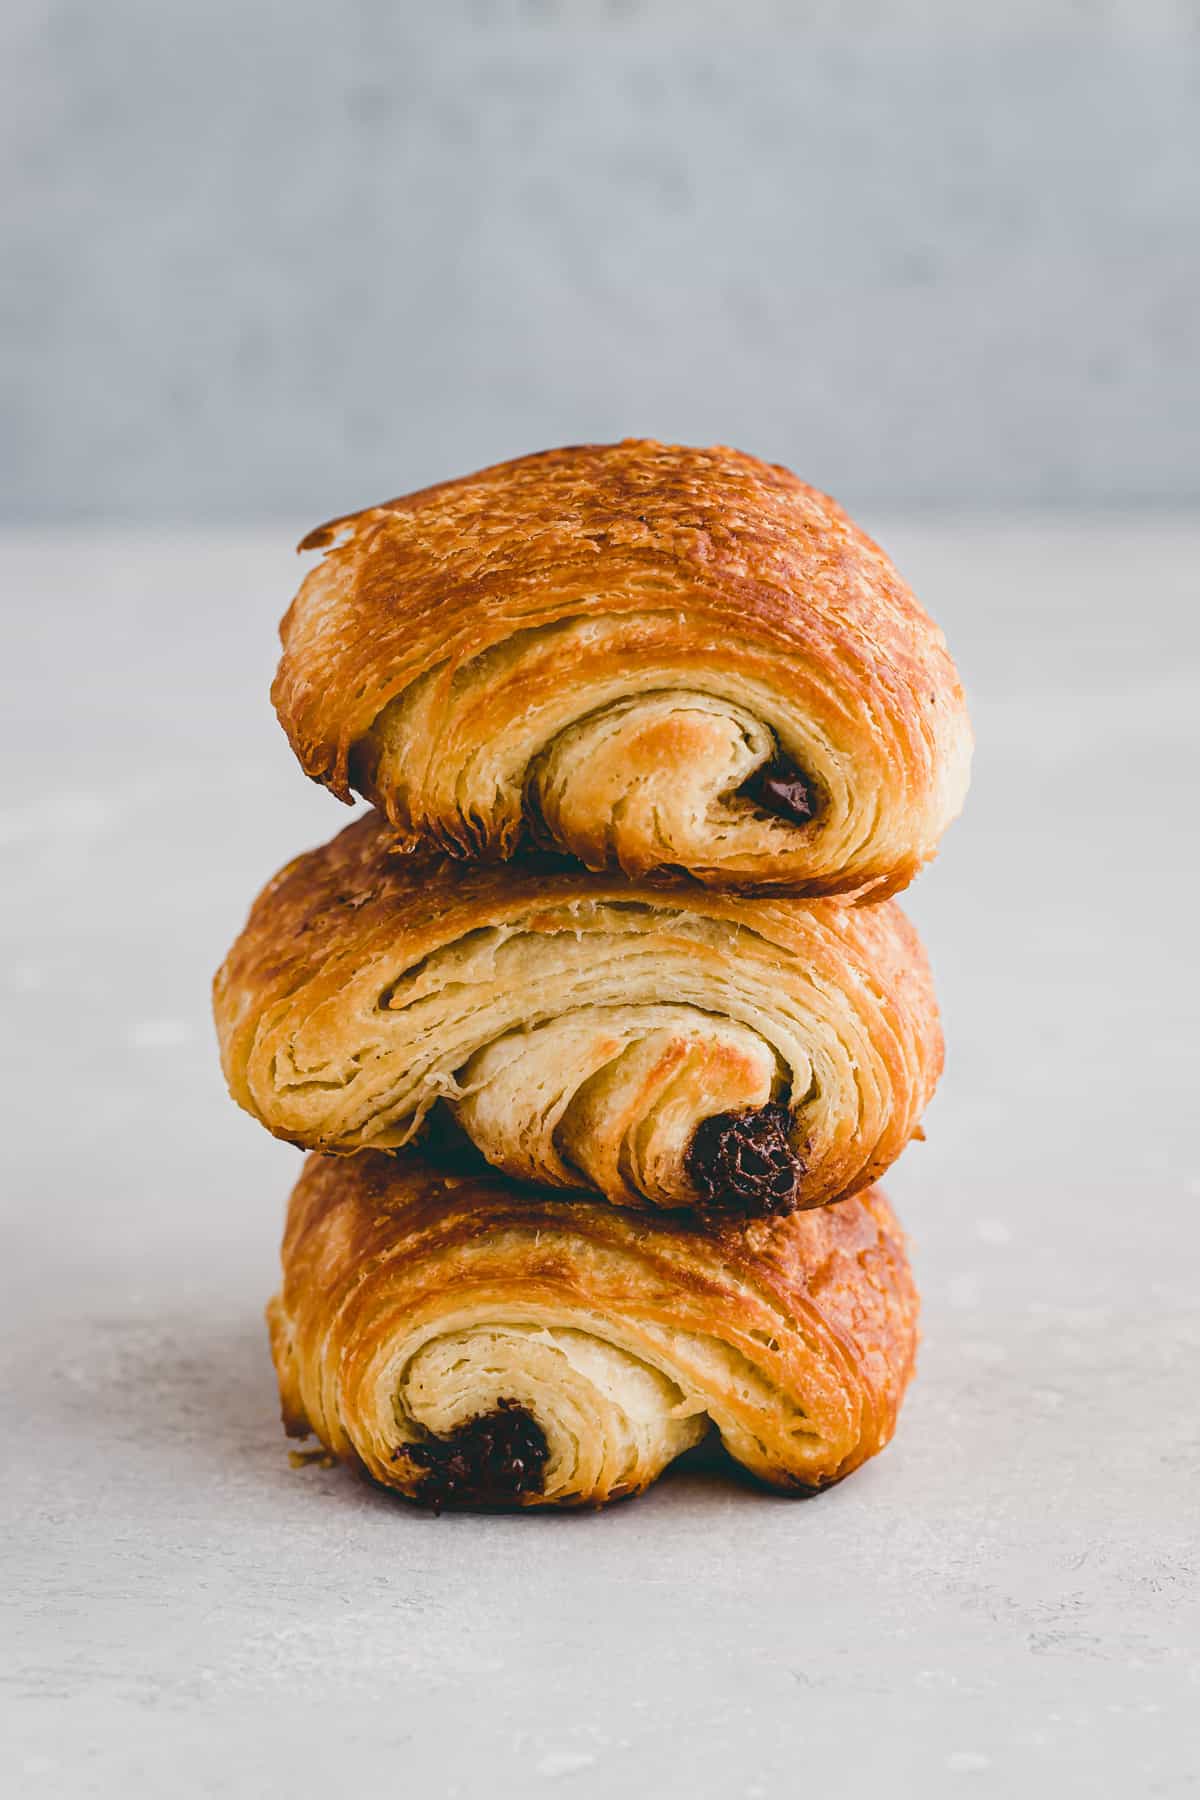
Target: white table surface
column 1006, row 1602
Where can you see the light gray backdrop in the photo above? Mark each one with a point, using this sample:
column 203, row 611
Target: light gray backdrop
column 280, row 259
column 290, row 257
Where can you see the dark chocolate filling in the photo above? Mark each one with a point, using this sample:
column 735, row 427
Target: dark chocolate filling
column 490, row 1461
column 781, row 788
column 744, row 1163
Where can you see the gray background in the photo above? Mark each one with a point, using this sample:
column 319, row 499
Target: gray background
column 293, row 257
column 261, row 263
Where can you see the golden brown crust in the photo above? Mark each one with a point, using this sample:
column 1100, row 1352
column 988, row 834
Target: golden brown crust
column 414, row 1303
column 581, row 1027
column 610, row 643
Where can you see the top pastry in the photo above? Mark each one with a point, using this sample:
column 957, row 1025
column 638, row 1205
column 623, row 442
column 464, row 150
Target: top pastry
column 650, row 657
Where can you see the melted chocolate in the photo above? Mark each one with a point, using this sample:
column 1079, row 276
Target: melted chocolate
column 744, row 1163
column 489, row 1461
column 781, row 788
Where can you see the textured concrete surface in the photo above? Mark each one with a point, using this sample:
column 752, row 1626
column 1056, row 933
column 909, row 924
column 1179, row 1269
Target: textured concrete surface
column 254, row 252
column 1005, row 1603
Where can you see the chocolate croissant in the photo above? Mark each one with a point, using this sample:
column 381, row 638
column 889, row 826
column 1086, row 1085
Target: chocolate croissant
column 472, row 1343
column 645, row 656
column 669, row 1047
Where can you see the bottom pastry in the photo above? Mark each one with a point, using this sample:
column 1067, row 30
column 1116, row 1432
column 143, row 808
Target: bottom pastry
column 474, row 1344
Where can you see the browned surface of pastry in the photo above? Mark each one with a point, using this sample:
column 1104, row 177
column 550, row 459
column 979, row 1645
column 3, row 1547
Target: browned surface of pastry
column 471, row 1343
column 668, row 1046
column 648, row 656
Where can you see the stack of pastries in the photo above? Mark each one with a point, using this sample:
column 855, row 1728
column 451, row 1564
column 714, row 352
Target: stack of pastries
column 602, row 1024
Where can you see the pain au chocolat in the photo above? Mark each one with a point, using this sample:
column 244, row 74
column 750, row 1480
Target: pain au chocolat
column 471, row 1343
column 667, row 1046
column 645, row 656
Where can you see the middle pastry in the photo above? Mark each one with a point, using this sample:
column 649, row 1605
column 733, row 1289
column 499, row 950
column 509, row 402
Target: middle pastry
column 667, row 1046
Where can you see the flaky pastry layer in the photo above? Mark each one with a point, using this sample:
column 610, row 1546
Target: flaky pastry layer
column 643, row 655
column 667, row 1046
column 471, row 1343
